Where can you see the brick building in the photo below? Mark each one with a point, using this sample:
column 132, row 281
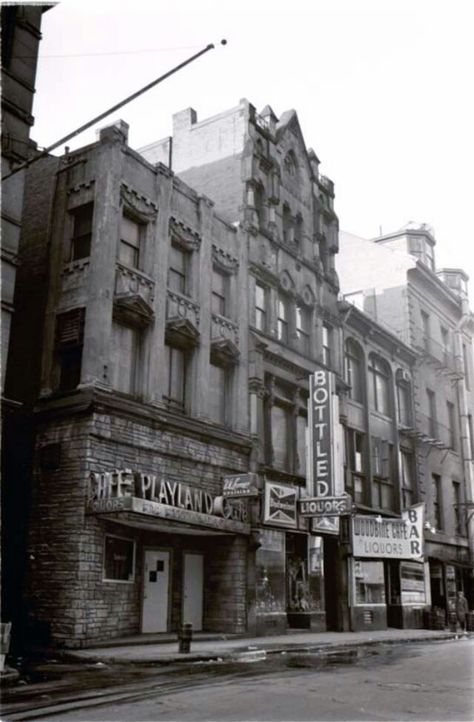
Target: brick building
column 428, row 310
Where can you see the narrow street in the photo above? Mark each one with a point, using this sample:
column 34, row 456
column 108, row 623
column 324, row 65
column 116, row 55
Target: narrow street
column 423, row 681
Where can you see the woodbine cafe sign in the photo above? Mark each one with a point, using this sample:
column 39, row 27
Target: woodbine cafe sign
column 124, row 490
column 400, row 538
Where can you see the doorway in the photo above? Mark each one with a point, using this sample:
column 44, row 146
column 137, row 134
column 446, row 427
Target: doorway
column 193, row 585
column 156, row 591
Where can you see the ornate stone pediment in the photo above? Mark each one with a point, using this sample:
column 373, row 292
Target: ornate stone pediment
column 133, row 310
column 182, row 333
column 224, row 352
column 139, row 206
column 183, row 235
column 224, row 260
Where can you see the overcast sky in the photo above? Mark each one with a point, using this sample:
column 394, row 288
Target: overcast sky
column 382, row 88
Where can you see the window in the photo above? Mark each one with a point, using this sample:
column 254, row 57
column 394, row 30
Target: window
column 408, row 478
column 379, row 389
column 287, row 225
column 382, row 457
column 82, row 231
column 129, row 249
column 8, row 25
column 298, row 230
column 451, row 425
column 303, row 328
column 445, row 344
column 260, row 307
column 176, row 380
column 69, row 341
column 178, row 270
column 413, row 583
column 119, row 559
column 126, row 342
column 368, row 582
column 429, row 256
column 282, row 318
column 259, row 196
column 425, row 329
column 467, row 375
column 217, row 393
column 220, row 288
column 327, row 337
column 471, row 432
column 458, row 526
column 437, row 501
column 355, row 480
column 301, row 429
column 404, row 403
column 280, row 424
column 432, row 418
column 355, row 370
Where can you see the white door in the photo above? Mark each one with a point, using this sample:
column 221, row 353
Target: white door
column 156, row 591
column 193, row 590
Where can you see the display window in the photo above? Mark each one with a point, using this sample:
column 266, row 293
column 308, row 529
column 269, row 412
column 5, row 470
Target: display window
column 368, row 582
column 119, row 559
column 413, row 585
column 270, row 569
column 316, row 573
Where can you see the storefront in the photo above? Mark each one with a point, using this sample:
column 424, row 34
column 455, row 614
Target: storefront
column 289, row 566
column 389, row 579
column 449, row 573
column 161, row 556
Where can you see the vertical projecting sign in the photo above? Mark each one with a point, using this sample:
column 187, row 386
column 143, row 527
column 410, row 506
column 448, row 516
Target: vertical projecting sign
column 321, row 422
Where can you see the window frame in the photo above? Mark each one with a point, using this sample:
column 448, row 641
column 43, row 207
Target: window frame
column 379, row 373
column 109, row 580
column 261, row 312
column 178, row 404
column 81, row 236
column 135, row 249
column 221, row 295
column 303, row 328
column 223, row 410
column 354, row 357
column 283, row 321
column 182, row 273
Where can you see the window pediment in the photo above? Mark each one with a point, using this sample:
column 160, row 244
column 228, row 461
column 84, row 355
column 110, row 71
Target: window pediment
column 181, row 332
column 224, row 261
column 183, row 235
column 224, row 352
column 133, row 310
column 140, row 208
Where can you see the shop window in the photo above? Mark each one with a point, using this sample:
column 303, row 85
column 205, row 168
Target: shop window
column 408, row 478
column 283, row 313
column 437, row 501
column 297, row 580
column 178, row 270
column 451, row 425
column 316, row 573
column 368, row 582
column 217, row 393
column 261, row 304
column 81, row 231
column 126, row 355
column 69, row 342
column 129, row 247
column 382, row 467
column 119, row 559
column 176, row 365
column 412, row 583
column 355, row 477
column 327, row 343
column 220, row 293
column 355, row 370
column 270, row 572
column 379, row 385
column 303, row 328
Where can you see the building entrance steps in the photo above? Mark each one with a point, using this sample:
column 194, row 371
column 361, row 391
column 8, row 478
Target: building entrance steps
column 158, row 650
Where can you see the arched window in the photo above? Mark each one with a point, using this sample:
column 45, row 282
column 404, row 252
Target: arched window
column 290, row 163
column 379, row 385
column 355, row 370
column 403, row 398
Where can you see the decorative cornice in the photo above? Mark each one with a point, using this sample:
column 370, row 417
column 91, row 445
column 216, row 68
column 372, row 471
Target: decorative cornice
column 185, row 236
column 139, row 205
column 80, row 186
column 224, row 260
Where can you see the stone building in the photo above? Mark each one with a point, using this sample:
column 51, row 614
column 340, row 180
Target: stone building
column 131, row 353
column 264, row 180
column 427, row 308
column 165, row 344
column 377, row 411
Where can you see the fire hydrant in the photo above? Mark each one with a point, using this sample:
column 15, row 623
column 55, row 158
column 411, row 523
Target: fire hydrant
column 184, row 637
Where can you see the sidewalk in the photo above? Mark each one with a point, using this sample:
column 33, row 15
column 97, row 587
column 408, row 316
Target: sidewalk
column 166, row 652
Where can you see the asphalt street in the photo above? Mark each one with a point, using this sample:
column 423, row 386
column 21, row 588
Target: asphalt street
column 423, row 681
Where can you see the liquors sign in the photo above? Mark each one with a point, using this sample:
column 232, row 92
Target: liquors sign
column 379, row 538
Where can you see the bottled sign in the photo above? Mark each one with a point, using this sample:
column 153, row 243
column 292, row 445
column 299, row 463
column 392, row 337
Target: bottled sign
column 321, row 434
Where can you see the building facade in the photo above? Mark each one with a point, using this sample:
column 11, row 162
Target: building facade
column 428, row 310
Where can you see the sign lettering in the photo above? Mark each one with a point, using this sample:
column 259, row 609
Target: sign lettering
column 389, row 538
column 325, row 506
column 320, row 422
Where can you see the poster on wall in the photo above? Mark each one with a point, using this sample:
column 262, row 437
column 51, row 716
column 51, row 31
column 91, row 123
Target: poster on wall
column 279, row 508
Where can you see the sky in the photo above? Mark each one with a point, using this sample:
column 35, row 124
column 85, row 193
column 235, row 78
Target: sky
column 382, row 89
